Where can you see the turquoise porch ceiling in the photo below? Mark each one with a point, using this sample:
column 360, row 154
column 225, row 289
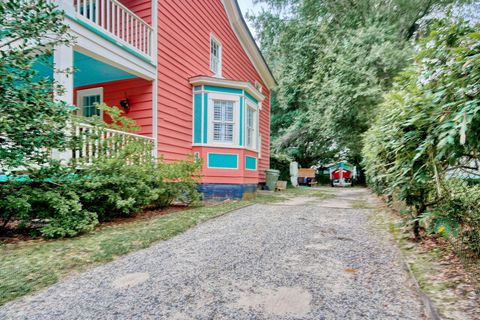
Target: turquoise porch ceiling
column 88, row 71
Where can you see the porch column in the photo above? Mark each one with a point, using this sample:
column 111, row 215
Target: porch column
column 63, row 61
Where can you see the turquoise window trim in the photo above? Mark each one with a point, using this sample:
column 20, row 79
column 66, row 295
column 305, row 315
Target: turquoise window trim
column 222, row 161
column 205, row 118
column 240, row 140
column 223, row 90
column 249, row 96
column 197, row 122
column 109, row 38
column 250, row 163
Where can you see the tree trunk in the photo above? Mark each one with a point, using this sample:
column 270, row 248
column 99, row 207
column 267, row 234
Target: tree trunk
column 419, row 210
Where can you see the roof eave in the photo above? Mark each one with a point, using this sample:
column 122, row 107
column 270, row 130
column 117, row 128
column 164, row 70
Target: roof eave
column 248, row 42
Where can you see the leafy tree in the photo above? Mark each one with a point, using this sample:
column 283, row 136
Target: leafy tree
column 334, row 60
column 31, row 122
column 428, row 125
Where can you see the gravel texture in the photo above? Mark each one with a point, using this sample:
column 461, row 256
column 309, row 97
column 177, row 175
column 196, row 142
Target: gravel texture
column 297, row 260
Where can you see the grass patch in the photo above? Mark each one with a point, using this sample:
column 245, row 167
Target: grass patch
column 320, row 193
column 361, row 204
column 28, row 266
column 269, row 197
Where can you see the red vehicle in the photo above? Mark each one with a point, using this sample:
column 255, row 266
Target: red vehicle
column 341, row 175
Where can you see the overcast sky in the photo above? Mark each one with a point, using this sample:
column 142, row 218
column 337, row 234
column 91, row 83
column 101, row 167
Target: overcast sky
column 247, row 5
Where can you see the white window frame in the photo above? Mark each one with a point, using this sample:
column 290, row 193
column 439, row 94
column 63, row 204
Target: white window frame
column 85, row 93
column 236, row 118
column 217, row 73
column 256, row 125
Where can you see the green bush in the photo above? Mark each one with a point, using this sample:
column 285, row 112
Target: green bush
column 114, row 188
column 51, row 206
column 282, row 163
column 458, row 216
column 63, row 201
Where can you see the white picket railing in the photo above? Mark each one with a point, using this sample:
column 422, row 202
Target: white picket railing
column 118, row 20
column 93, row 142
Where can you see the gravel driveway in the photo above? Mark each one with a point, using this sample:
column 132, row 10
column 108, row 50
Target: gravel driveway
column 302, row 259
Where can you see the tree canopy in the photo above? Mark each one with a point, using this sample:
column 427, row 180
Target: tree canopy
column 334, row 60
column 31, row 122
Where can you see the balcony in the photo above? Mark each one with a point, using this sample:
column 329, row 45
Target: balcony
column 115, row 21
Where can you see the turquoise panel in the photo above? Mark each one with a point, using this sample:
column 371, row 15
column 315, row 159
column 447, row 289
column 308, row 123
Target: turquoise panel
column 197, row 88
column 241, row 121
column 91, row 71
column 250, row 163
column 223, row 161
column 205, row 117
column 224, row 90
column 249, row 96
column 88, row 70
column 197, row 118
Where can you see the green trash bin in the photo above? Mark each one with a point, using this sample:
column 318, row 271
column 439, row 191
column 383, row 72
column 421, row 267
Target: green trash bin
column 271, row 178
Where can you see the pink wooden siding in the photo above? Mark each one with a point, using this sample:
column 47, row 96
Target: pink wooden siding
column 184, row 29
column 139, row 94
column 141, row 8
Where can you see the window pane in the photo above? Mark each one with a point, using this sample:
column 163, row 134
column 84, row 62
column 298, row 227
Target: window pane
column 215, row 51
column 89, row 105
column 217, row 131
column 223, row 123
column 250, row 130
column 229, row 132
column 217, row 111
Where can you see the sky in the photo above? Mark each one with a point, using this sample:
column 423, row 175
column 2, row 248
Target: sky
column 247, row 5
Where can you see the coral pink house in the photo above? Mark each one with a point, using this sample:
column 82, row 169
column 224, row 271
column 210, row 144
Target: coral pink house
column 190, row 74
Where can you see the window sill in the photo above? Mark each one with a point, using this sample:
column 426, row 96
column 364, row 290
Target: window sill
column 226, row 146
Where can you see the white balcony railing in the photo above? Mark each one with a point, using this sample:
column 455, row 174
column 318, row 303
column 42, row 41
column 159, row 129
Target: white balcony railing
column 119, row 21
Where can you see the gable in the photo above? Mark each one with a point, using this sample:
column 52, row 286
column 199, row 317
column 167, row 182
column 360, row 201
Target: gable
column 247, row 41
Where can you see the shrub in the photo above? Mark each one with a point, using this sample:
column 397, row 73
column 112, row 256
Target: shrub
column 282, row 163
column 50, row 204
column 67, row 200
column 176, row 181
column 458, row 215
column 114, row 188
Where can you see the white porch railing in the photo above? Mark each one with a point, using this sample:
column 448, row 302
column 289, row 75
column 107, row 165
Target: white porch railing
column 119, row 21
column 93, row 142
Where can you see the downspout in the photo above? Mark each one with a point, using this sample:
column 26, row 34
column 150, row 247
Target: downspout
column 154, row 47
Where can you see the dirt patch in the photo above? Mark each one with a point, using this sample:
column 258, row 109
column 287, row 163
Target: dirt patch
column 283, row 301
column 130, row 280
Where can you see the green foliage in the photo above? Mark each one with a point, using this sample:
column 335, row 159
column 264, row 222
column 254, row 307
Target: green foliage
column 63, row 201
column 176, row 181
column 281, row 162
column 31, row 122
column 458, row 216
column 428, row 125
column 333, row 61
